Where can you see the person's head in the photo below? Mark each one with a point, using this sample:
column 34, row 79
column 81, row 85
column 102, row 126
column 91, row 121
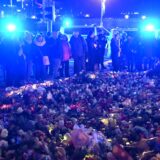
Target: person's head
column 39, row 38
column 130, row 38
column 76, row 33
column 55, row 34
column 48, row 34
column 28, row 35
column 101, row 31
column 91, row 34
column 64, row 38
column 117, row 36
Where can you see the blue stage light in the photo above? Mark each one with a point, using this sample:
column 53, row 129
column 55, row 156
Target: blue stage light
column 11, row 27
column 150, row 28
column 67, row 23
column 11, row 24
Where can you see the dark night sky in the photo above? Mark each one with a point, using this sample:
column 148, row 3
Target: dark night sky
column 113, row 7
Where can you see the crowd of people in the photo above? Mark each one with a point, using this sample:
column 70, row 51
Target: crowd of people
column 41, row 57
column 90, row 115
column 47, row 56
column 135, row 51
column 107, row 116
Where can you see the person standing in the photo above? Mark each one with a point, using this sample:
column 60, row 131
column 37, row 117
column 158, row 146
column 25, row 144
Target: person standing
column 11, row 60
column 66, row 56
column 115, row 51
column 27, row 46
column 93, row 57
column 102, row 41
column 54, row 47
column 38, row 53
column 78, row 49
column 130, row 54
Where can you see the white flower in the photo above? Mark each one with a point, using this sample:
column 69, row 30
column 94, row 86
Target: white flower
column 4, row 133
column 19, row 110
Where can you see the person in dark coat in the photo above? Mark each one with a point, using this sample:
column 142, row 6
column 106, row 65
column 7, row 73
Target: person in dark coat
column 102, row 41
column 78, row 49
column 130, row 53
column 27, row 50
column 93, row 57
column 12, row 59
column 38, row 50
column 115, row 49
column 54, row 50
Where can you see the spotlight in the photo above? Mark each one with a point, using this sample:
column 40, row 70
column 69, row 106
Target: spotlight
column 11, row 24
column 87, row 15
column 143, row 17
column 126, row 16
column 33, row 17
column 2, row 14
column 150, row 28
column 67, row 23
column 18, row 10
column 11, row 27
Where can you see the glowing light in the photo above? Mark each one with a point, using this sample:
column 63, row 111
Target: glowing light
column 18, row 10
column 143, row 17
column 126, row 16
column 50, row 129
column 87, row 15
column 11, row 27
column 67, row 23
column 127, row 143
column 112, row 115
column 105, row 121
column 109, row 140
column 89, row 156
column 34, row 86
column 150, row 28
column 33, row 17
column 65, row 138
column 136, row 13
column 2, row 14
column 92, row 76
column 5, row 106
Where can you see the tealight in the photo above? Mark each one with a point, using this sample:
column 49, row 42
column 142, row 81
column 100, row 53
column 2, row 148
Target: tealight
column 92, row 76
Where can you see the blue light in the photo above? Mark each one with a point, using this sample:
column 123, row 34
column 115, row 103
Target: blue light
column 67, row 23
column 143, row 17
column 11, row 27
column 150, row 28
column 126, row 16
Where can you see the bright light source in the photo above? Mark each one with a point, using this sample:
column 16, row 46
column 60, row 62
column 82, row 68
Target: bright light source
column 143, row 17
column 150, row 28
column 67, row 23
column 33, row 17
column 126, row 16
column 18, row 10
column 11, row 27
column 136, row 13
column 87, row 15
column 2, row 14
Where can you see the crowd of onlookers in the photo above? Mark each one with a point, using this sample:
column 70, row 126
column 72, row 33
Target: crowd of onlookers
column 135, row 51
column 88, row 116
column 108, row 116
column 47, row 56
column 39, row 57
